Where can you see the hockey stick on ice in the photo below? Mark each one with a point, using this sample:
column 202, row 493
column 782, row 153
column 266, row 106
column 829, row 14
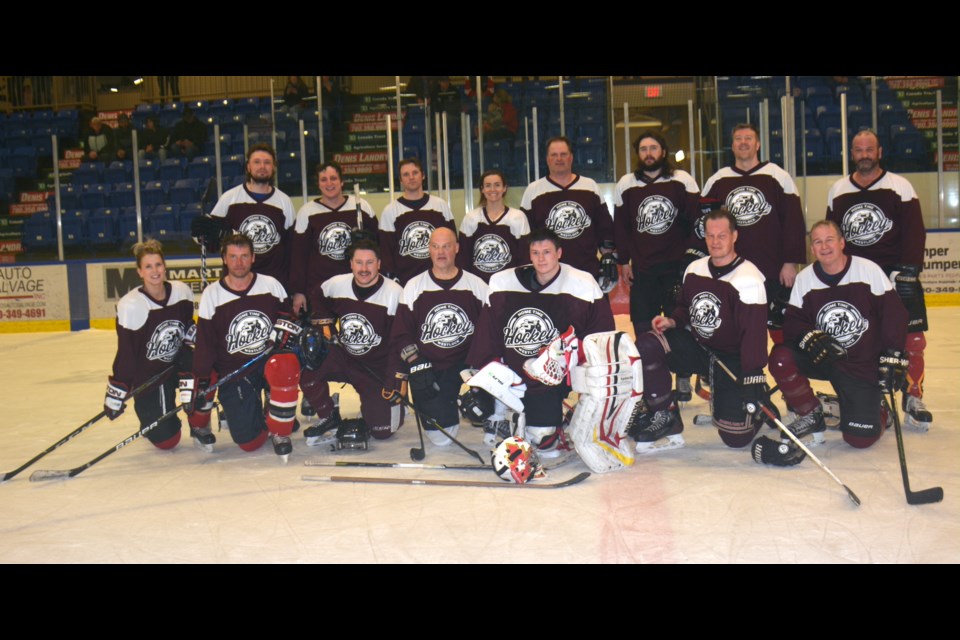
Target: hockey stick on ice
column 926, row 496
column 450, row 483
column 89, row 423
column 62, row 474
column 429, row 419
column 783, row 429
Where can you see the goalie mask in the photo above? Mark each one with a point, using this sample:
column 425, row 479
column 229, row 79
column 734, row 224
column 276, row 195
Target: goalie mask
column 514, row 460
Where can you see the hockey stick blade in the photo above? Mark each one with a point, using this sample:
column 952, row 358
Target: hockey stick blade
column 926, row 496
column 450, row 483
column 50, row 474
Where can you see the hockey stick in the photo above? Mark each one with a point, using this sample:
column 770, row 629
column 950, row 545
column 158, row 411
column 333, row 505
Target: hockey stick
column 430, row 420
column 450, row 483
column 926, row 496
column 773, row 418
column 63, row 474
column 397, row 465
column 89, row 423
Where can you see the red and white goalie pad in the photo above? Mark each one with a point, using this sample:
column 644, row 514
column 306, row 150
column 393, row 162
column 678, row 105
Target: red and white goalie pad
column 609, row 380
column 555, row 360
column 502, row 383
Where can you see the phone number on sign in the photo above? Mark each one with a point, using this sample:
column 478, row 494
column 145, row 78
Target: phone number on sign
column 15, row 314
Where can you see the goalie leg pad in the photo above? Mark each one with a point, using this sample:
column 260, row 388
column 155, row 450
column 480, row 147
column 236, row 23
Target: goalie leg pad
column 609, row 364
column 598, row 431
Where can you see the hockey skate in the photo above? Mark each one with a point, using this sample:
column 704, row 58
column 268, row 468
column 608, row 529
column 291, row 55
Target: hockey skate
column 203, row 438
column 656, row 431
column 831, row 409
column 324, row 432
column 684, row 391
column 811, row 424
column 496, row 430
column 916, row 416
column 281, row 446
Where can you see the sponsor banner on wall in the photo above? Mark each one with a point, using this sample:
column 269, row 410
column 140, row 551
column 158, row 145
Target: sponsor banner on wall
column 34, row 298
column 107, row 282
column 941, row 268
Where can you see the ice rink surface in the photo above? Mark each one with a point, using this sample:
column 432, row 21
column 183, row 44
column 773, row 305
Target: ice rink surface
column 701, row 504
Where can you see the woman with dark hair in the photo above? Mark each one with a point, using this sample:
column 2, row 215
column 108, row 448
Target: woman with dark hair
column 493, row 236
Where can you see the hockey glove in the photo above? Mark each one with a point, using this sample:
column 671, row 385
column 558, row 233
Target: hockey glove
column 821, row 347
column 893, row 370
column 906, row 280
column 113, row 400
column 209, row 231
column 753, row 385
column 769, row 451
column 398, row 392
column 191, row 391
column 284, row 329
column 777, row 307
column 608, row 275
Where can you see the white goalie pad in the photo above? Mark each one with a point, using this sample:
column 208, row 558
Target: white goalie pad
column 555, row 360
column 609, row 365
column 502, row 383
column 610, row 383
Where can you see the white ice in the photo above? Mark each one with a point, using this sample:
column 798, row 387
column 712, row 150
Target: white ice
column 701, row 504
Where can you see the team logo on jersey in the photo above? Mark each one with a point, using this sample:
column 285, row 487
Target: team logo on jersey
column 165, row 341
column 248, row 332
column 655, row 215
column 864, row 224
column 568, row 219
column 334, row 240
column 357, row 334
column 415, row 240
column 491, row 253
column 705, row 314
column 261, row 231
column 528, row 330
column 748, row 205
column 700, row 228
column 446, row 325
column 843, row 321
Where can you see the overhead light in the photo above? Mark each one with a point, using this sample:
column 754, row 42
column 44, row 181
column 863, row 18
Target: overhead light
column 138, row 80
column 679, row 155
column 114, row 90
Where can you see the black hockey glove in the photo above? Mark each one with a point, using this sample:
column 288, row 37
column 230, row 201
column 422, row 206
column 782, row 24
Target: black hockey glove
column 893, row 370
column 753, row 385
column 821, row 347
column 769, row 451
column 906, row 280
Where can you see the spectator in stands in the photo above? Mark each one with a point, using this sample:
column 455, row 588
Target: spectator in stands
column 294, row 95
column 502, row 121
column 98, row 142
column 153, row 141
column 123, row 137
column 189, row 136
column 444, row 97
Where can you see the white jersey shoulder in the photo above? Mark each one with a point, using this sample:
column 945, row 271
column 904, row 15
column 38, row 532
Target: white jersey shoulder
column 134, row 308
column 890, row 181
column 630, row 181
column 341, row 286
column 571, row 281
column 768, row 169
column 313, row 207
column 239, row 195
column 396, row 209
column 861, row 270
column 216, row 294
column 512, row 218
column 417, row 285
column 746, row 279
column 539, row 187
